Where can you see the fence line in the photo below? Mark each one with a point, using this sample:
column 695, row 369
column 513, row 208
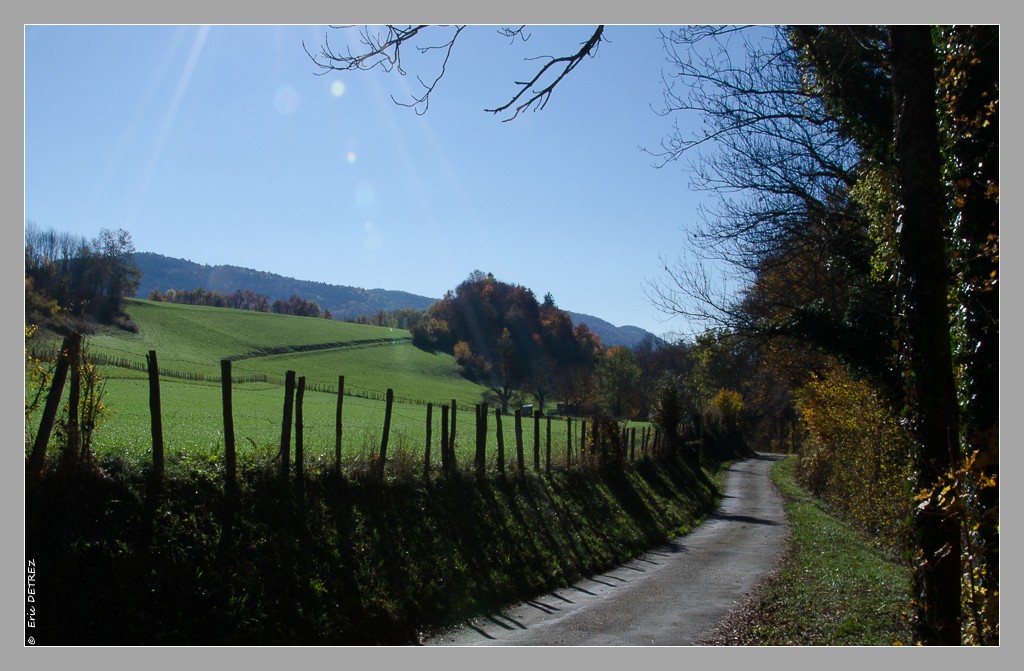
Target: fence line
column 101, row 359
column 588, row 446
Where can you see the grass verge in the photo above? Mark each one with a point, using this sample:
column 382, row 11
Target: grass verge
column 832, row 588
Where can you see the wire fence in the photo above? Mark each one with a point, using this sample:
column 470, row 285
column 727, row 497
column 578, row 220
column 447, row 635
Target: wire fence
column 455, row 436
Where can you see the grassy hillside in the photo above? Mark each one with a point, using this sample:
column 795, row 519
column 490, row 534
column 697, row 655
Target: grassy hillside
column 193, row 340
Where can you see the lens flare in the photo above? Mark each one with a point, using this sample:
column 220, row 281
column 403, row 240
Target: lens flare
column 350, row 157
column 365, row 197
column 337, row 88
column 286, row 100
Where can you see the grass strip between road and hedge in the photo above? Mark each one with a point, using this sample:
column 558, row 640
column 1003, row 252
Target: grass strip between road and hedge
column 831, row 589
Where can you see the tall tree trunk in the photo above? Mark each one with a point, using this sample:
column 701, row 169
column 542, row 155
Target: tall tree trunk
column 932, row 388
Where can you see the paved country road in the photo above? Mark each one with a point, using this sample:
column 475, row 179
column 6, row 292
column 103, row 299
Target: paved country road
column 673, row 595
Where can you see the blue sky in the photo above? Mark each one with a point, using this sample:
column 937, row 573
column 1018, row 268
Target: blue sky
column 223, row 145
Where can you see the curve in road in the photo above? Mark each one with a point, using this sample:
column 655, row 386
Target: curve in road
column 671, row 596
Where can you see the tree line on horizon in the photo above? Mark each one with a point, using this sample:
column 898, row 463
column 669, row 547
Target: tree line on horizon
column 242, row 299
column 70, row 279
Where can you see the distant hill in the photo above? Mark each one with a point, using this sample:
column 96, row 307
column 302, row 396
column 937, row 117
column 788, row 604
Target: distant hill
column 611, row 335
column 345, row 303
column 161, row 273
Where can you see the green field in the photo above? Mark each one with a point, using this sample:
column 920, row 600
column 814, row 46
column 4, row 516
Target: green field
column 190, row 342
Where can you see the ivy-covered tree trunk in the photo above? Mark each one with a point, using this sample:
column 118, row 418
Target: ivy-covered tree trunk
column 969, row 83
column 932, row 387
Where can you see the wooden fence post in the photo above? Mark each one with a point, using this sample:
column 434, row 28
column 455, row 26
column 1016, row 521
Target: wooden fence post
column 476, row 439
column 632, row 444
column 536, row 440
column 156, row 423
column 338, row 425
column 286, row 422
column 299, row 451
column 547, row 448
column 426, row 451
column 481, row 440
column 501, row 441
column 37, row 458
column 445, row 456
column 519, row 440
column 230, row 480
column 389, row 401
column 451, row 437
column 568, row 443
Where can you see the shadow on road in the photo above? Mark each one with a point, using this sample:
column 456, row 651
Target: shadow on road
column 742, row 518
column 768, row 456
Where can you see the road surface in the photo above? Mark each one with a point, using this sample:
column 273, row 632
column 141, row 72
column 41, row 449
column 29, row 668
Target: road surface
column 671, row 596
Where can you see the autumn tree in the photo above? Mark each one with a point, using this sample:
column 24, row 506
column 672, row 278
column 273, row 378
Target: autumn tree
column 489, row 326
column 618, row 382
column 577, row 385
column 501, row 336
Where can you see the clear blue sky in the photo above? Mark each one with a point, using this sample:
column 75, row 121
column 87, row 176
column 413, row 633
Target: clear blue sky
column 222, row 145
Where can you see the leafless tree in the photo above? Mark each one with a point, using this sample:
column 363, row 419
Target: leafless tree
column 768, row 151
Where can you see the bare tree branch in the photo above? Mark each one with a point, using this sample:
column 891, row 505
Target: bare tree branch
column 383, row 49
column 513, row 33
column 539, row 98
